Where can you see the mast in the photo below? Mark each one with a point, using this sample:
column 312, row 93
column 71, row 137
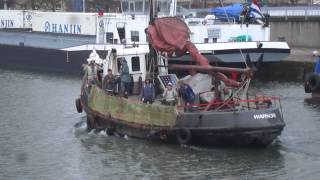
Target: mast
column 153, row 11
column 152, row 52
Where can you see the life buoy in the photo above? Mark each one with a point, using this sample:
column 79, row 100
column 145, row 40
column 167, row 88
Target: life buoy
column 183, row 136
column 78, row 105
column 313, row 81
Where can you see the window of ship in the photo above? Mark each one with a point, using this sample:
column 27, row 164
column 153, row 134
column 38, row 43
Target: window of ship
column 135, row 63
column 139, row 6
column 125, row 6
column 135, row 36
column 132, row 7
column 109, row 37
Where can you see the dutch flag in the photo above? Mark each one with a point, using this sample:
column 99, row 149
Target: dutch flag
column 255, row 10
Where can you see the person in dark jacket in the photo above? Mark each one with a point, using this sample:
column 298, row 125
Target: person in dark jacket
column 147, row 92
column 125, row 78
column 317, row 66
column 108, row 82
column 187, row 95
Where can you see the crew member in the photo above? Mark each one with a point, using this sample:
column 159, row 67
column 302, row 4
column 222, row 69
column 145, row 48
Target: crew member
column 187, row 95
column 125, row 78
column 170, row 95
column 91, row 70
column 317, row 66
column 108, row 82
column 148, row 92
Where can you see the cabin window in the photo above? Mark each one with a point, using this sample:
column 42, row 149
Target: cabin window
column 146, row 6
column 214, row 40
column 135, row 63
column 125, row 6
column 139, row 6
column 135, row 36
column 109, row 37
column 131, row 6
column 59, row 6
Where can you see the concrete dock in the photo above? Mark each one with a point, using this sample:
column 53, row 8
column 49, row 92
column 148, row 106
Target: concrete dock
column 292, row 68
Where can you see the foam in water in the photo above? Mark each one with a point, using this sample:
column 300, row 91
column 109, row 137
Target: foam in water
column 103, row 133
column 91, row 132
column 81, row 125
column 125, row 137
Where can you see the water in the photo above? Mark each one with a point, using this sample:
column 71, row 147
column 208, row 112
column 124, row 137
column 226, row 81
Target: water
column 42, row 137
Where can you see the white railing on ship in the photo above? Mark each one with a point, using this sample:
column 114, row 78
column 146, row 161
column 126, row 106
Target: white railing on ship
column 303, row 11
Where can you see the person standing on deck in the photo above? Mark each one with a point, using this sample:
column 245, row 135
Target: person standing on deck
column 317, row 66
column 91, row 70
column 125, row 78
column 147, row 92
column 108, row 82
column 170, row 95
column 187, row 95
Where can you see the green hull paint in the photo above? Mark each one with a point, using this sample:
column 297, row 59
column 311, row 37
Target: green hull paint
column 131, row 112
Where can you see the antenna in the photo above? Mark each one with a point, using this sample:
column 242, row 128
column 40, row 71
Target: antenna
column 224, row 9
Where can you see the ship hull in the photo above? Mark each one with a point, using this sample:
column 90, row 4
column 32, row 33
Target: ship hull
column 42, row 59
column 199, row 136
column 235, row 128
column 70, row 62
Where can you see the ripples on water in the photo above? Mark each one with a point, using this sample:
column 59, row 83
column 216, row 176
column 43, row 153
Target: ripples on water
column 42, row 137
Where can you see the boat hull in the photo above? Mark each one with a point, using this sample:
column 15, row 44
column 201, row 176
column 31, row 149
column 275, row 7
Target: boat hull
column 199, row 136
column 241, row 128
column 70, row 60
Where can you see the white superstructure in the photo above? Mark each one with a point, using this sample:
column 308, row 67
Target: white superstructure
column 209, row 34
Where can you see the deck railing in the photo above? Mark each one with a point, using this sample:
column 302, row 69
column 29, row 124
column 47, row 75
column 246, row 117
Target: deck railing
column 298, row 11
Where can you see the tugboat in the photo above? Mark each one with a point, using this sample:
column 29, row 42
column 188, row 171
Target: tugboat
column 221, row 112
column 312, row 79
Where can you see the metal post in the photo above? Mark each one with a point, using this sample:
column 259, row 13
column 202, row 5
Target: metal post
column 84, row 5
column 5, row 6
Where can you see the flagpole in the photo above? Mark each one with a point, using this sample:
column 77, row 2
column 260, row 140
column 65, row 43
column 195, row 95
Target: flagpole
column 84, row 5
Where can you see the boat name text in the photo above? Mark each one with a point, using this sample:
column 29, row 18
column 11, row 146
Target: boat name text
column 62, row 28
column 6, row 23
column 265, row 116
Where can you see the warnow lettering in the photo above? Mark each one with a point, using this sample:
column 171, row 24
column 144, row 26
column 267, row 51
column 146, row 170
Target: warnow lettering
column 265, row 116
column 6, row 23
column 62, row 28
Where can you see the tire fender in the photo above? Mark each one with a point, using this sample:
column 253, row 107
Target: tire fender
column 183, row 136
column 78, row 105
column 313, row 81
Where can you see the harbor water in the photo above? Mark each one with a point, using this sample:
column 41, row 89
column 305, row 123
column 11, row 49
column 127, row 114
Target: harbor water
column 43, row 137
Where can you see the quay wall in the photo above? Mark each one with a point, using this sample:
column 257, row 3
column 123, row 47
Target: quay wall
column 297, row 31
column 290, row 69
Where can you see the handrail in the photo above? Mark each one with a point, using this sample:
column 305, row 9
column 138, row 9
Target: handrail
column 259, row 99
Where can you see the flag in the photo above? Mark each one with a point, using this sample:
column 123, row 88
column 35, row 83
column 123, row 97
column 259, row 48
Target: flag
column 255, row 10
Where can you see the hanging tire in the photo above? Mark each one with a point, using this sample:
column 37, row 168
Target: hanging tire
column 89, row 123
column 183, row 136
column 313, row 81
column 78, row 105
column 307, row 88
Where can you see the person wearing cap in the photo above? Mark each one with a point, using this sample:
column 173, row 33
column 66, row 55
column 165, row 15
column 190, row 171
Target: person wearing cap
column 147, row 94
column 169, row 95
column 125, row 78
column 91, row 70
column 317, row 66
